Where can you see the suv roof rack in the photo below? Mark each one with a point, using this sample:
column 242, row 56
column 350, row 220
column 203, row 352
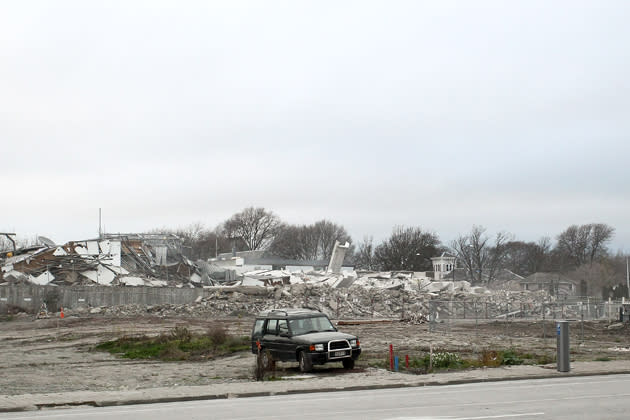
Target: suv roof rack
column 278, row 310
column 290, row 311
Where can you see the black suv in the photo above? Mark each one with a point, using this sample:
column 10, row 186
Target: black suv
column 303, row 335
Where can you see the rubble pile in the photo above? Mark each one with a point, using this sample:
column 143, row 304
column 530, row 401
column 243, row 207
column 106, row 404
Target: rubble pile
column 109, row 262
column 414, row 306
column 156, row 261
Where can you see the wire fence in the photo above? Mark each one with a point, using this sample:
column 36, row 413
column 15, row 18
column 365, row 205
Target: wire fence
column 587, row 309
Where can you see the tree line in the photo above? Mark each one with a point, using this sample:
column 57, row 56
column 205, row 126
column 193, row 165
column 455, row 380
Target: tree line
column 580, row 251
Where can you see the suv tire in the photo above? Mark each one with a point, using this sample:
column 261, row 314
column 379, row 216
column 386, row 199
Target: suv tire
column 305, row 362
column 266, row 360
column 348, row 363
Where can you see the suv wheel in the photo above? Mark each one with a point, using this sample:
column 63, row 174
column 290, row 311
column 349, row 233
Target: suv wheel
column 305, row 362
column 348, row 363
column 267, row 360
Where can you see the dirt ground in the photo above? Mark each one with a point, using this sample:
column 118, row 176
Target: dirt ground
column 53, row 355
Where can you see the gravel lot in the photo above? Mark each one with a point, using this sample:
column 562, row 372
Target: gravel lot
column 52, row 355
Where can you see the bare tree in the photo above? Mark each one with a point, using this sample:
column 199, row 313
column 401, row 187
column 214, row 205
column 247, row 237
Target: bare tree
column 364, row 258
column 327, row 233
column 255, row 226
column 407, row 249
column 309, row 242
column 585, row 243
column 479, row 256
column 597, row 277
column 525, row 258
column 289, row 243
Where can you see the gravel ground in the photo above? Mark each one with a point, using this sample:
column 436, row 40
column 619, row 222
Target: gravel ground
column 52, row 355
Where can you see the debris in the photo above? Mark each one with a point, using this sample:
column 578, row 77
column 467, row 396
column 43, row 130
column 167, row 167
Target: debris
column 131, row 260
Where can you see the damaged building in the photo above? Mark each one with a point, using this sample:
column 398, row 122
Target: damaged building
column 113, row 260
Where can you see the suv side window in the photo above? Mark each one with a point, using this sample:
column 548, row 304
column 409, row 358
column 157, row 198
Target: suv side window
column 272, row 325
column 283, row 327
column 258, row 327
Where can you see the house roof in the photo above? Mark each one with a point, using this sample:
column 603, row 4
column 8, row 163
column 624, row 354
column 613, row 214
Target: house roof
column 542, row 277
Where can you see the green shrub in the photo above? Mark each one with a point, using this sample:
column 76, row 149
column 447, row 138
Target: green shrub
column 179, row 344
column 441, row 360
column 510, row 358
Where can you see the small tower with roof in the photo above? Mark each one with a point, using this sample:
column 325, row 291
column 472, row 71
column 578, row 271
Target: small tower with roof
column 443, row 265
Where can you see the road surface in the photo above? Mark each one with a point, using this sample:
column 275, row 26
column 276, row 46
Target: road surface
column 592, row 397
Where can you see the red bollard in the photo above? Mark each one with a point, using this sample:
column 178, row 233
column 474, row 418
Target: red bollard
column 407, row 361
column 391, row 357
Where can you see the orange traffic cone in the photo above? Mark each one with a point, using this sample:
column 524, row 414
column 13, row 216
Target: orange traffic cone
column 61, row 314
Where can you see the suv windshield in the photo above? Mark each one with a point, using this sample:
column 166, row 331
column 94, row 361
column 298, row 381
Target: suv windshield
column 309, row 325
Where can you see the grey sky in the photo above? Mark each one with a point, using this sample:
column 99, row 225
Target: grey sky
column 511, row 115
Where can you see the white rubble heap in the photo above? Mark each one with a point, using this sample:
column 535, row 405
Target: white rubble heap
column 369, row 295
column 99, row 263
column 410, row 296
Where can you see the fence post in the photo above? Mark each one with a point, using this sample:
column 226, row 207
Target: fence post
column 543, row 322
column 582, row 324
column 403, row 307
column 391, row 357
column 507, row 316
column 476, row 318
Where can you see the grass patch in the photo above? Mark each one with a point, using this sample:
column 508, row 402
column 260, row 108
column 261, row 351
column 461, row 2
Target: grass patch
column 603, row 359
column 179, row 344
column 444, row 360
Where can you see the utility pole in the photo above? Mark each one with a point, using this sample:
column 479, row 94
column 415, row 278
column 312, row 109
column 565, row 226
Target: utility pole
column 627, row 277
column 100, row 231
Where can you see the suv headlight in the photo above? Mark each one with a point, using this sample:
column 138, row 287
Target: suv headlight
column 319, row 347
column 354, row 342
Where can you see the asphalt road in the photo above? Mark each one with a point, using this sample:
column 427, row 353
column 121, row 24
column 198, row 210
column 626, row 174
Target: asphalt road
column 592, row 397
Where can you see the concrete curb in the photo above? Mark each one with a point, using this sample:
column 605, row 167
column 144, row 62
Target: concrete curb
column 110, row 402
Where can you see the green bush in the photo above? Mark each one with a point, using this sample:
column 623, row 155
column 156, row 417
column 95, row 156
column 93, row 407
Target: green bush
column 441, row 360
column 510, row 358
column 179, row 344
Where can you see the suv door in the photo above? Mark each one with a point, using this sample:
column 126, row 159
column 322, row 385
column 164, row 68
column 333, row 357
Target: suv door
column 286, row 346
column 270, row 338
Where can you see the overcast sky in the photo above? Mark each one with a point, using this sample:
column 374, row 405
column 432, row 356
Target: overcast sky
column 513, row 115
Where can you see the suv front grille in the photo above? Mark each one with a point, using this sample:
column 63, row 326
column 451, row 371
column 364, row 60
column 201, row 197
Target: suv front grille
column 339, row 349
column 336, row 345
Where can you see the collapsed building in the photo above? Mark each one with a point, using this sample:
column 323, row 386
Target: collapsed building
column 112, row 260
column 92, row 274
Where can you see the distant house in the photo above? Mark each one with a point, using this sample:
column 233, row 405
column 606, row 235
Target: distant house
column 260, row 260
column 554, row 283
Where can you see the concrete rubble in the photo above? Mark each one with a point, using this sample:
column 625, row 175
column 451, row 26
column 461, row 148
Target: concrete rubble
column 155, row 260
column 358, row 301
column 114, row 261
